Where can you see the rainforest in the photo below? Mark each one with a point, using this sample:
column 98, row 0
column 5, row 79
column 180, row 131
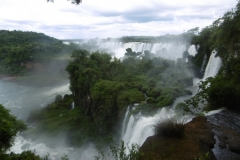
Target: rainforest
column 126, row 98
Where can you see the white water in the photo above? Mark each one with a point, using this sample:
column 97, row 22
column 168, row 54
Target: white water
column 213, row 66
column 173, row 50
column 55, row 152
column 192, row 50
column 20, row 100
column 139, row 127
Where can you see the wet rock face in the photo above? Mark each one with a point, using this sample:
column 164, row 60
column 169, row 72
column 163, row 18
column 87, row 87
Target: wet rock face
column 217, row 136
column 226, row 118
column 226, row 127
column 197, row 142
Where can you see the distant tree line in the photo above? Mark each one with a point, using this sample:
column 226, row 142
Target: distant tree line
column 19, row 50
column 181, row 38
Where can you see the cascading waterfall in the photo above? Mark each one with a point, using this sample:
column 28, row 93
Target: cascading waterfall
column 171, row 50
column 192, row 50
column 72, row 105
column 125, row 120
column 135, row 128
column 139, row 127
column 213, row 66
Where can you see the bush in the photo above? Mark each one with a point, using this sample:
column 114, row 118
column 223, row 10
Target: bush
column 150, row 100
column 58, row 98
column 165, row 100
column 9, row 127
column 169, row 128
column 182, row 106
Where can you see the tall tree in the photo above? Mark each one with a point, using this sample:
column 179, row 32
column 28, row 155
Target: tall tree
column 9, row 126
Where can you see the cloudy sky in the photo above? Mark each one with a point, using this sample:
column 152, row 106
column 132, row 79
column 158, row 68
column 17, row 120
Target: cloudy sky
column 110, row 18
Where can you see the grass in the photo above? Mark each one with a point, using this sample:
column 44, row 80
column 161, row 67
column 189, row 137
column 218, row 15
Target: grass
column 169, row 128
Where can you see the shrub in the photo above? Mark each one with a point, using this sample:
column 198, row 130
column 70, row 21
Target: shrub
column 165, row 100
column 58, row 98
column 9, row 127
column 169, row 128
column 182, row 106
column 150, row 100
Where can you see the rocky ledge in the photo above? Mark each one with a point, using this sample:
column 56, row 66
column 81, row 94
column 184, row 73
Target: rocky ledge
column 226, row 127
column 205, row 137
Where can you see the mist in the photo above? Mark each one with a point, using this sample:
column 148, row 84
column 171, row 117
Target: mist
column 49, row 79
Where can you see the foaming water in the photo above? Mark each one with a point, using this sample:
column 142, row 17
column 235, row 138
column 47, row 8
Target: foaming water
column 63, row 89
column 20, row 100
column 55, row 153
column 192, row 50
column 171, row 50
column 139, row 127
column 213, row 112
column 213, row 66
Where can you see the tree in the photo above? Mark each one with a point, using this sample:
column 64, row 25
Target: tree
column 9, row 126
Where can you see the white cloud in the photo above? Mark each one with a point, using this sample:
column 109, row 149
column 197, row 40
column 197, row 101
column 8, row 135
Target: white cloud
column 110, row 18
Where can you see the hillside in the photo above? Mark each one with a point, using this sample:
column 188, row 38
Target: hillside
column 21, row 52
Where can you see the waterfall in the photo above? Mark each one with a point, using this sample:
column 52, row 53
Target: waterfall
column 171, row 50
column 140, row 128
column 213, row 66
column 192, row 50
column 137, row 127
column 72, row 105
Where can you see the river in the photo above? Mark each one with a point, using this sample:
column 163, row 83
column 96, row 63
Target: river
column 21, row 100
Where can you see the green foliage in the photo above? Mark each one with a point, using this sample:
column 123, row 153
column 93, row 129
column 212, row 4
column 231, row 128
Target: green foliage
column 153, row 92
column 184, row 37
column 130, row 96
column 223, row 36
column 64, row 157
column 118, row 152
column 150, row 100
column 26, row 155
column 60, row 119
column 165, row 100
column 182, row 107
column 58, row 98
column 22, row 52
column 9, row 127
column 205, row 156
column 218, row 92
column 103, row 87
column 131, row 53
column 169, row 128
column 221, row 91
